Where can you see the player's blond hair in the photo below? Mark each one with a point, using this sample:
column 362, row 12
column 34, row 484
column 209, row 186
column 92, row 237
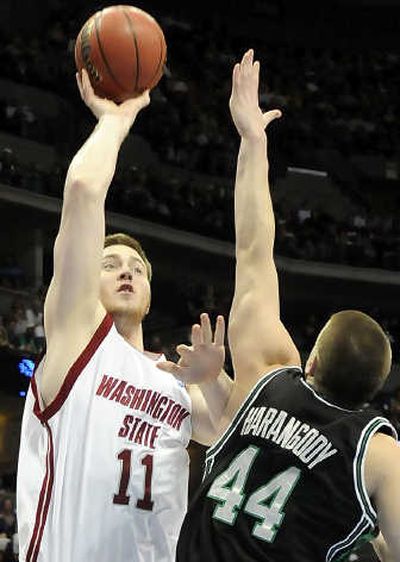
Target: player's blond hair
column 126, row 240
column 353, row 358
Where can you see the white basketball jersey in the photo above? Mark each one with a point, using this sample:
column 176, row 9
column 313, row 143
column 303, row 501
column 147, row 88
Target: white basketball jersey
column 103, row 470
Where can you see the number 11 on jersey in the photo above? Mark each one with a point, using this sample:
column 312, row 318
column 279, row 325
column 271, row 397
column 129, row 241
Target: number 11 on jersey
column 121, row 497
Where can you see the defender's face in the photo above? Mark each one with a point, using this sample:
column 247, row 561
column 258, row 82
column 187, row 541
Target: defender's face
column 124, row 286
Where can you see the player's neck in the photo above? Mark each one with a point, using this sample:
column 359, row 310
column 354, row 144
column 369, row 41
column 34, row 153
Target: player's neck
column 333, row 400
column 130, row 329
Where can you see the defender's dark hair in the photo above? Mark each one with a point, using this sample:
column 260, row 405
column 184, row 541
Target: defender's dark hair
column 353, row 357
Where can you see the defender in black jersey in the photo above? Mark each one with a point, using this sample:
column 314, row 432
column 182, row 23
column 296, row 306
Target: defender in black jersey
column 300, row 472
column 285, row 482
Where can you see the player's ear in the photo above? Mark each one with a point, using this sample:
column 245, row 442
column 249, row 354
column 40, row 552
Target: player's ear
column 311, row 365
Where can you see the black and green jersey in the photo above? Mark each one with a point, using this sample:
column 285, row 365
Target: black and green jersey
column 285, row 482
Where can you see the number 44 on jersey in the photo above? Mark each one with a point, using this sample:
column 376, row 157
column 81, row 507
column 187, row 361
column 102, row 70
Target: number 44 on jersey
column 265, row 504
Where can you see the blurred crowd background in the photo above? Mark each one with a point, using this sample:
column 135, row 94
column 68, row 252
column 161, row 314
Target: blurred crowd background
column 332, row 68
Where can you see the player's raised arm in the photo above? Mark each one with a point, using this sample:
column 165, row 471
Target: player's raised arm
column 72, row 307
column 257, row 337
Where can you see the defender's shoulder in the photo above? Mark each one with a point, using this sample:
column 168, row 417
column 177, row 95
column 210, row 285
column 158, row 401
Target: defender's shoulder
column 382, row 460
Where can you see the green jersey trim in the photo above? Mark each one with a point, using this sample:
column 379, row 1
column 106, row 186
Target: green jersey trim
column 361, row 532
column 367, row 525
column 359, row 461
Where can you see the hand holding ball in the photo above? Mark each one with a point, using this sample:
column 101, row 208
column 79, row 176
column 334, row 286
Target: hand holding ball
column 123, row 50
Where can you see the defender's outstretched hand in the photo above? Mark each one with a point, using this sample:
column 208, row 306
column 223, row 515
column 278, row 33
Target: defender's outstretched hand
column 249, row 120
column 203, row 361
column 101, row 106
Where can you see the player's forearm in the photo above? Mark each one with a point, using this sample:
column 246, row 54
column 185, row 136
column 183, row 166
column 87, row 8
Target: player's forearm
column 216, row 395
column 254, row 217
column 93, row 167
column 255, row 233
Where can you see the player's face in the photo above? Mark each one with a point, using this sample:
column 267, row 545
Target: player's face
column 124, row 285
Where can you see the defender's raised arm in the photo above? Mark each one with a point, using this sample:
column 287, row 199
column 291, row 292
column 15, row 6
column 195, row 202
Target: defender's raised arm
column 257, row 337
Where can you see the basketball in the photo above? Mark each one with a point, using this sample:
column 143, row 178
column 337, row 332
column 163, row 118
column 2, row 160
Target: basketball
column 123, row 50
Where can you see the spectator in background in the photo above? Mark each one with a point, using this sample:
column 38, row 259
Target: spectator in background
column 11, row 273
column 304, row 212
column 8, row 520
column 35, row 329
column 38, row 333
column 18, row 326
column 3, row 334
column 8, row 167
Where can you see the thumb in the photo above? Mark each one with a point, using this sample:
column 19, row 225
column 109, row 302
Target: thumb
column 167, row 366
column 270, row 116
column 144, row 99
column 179, row 372
column 137, row 103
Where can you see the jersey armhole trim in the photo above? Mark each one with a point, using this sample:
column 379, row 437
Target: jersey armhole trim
column 73, row 373
column 374, row 426
column 342, row 548
column 254, row 392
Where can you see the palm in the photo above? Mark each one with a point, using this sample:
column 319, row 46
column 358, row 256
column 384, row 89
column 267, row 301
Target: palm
column 203, row 361
column 247, row 116
column 101, row 106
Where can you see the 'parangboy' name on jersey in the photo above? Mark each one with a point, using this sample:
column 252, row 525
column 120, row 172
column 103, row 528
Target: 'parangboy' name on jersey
column 306, row 442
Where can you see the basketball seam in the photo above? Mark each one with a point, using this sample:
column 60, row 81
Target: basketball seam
column 103, row 56
column 161, row 57
column 78, row 51
column 136, row 46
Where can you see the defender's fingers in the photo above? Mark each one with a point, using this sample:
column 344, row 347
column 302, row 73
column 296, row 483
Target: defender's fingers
column 185, row 352
column 180, row 373
column 247, row 62
column 235, row 78
column 196, row 335
column 170, row 367
column 206, row 329
column 219, row 335
column 248, row 55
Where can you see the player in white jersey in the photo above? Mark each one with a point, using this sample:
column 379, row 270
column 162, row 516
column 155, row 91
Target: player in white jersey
column 103, row 467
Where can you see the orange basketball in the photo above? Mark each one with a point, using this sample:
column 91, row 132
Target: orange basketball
column 123, row 50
